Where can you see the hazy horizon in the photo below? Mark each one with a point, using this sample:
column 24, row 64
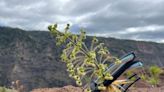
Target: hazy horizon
column 90, row 35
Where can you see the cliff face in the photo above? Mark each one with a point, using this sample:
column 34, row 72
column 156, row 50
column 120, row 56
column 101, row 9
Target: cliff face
column 33, row 58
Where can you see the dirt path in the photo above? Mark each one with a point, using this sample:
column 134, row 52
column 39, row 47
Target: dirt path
column 77, row 89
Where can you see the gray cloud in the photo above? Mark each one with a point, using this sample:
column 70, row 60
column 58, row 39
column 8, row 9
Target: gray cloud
column 99, row 17
column 148, row 36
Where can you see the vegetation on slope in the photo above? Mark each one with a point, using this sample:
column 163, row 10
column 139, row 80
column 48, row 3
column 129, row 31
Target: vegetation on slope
column 28, row 56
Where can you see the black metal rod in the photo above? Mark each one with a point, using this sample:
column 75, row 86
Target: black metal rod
column 130, row 77
column 128, row 86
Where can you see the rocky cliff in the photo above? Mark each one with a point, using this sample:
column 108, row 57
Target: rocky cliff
column 33, row 58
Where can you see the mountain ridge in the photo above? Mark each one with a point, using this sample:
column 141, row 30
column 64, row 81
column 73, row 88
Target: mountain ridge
column 33, row 58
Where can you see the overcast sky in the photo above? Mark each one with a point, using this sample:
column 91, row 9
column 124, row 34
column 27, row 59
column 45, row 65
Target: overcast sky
column 128, row 19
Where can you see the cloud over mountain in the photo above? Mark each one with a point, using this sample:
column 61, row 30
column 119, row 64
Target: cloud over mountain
column 128, row 19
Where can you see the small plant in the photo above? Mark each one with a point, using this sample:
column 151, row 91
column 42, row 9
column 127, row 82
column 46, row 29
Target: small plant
column 3, row 89
column 152, row 77
column 84, row 63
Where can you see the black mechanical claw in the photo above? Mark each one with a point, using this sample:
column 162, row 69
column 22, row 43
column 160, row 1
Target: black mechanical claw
column 127, row 62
